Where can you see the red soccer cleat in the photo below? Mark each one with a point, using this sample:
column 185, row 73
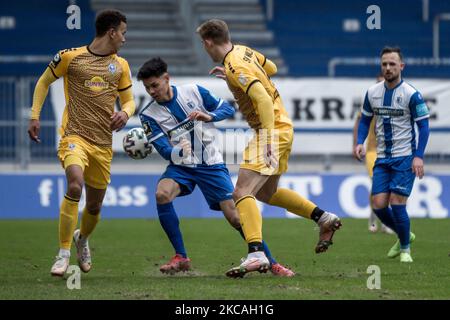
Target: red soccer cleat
column 280, row 270
column 176, row 264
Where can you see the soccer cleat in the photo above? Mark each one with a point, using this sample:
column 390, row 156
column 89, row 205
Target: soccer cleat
column 60, row 266
column 255, row 261
column 176, row 264
column 395, row 250
column 405, row 257
column 83, row 253
column 328, row 224
column 280, row 270
column 373, row 228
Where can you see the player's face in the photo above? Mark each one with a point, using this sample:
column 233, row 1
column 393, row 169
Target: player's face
column 391, row 66
column 118, row 36
column 158, row 87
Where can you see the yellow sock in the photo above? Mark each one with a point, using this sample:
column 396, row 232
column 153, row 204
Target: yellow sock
column 292, row 202
column 68, row 219
column 251, row 219
column 88, row 223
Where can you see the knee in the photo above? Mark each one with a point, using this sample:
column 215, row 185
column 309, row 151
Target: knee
column 74, row 189
column 163, row 196
column 238, row 193
column 93, row 207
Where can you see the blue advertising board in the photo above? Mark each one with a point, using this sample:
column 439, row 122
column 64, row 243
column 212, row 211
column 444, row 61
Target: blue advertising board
column 28, row 196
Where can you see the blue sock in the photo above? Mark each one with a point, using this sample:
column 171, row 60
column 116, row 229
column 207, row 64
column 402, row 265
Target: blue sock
column 268, row 254
column 387, row 217
column 171, row 225
column 265, row 246
column 402, row 223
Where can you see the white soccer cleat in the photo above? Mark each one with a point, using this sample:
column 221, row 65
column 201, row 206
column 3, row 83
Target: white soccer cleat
column 255, row 261
column 328, row 224
column 83, row 252
column 60, row 266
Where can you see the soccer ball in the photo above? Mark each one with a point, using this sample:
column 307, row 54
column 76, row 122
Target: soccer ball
column 136, row 145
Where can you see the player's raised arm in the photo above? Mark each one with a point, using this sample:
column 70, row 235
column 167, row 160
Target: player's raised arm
column 218, row 108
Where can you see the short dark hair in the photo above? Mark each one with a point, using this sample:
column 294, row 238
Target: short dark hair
column 154, row 67
column 215, row 30
column 108, row 19
column 391, row 50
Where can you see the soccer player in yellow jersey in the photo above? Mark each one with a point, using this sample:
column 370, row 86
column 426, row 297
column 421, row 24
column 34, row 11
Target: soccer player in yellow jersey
column 94, row 77
column 247, row 73
column 371, row 156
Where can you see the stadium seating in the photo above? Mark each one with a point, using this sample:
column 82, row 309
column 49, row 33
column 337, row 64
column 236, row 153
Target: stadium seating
column 310, row 33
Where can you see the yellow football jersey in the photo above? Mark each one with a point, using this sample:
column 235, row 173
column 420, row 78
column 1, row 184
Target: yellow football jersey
column 91, row 86
column 243, row 68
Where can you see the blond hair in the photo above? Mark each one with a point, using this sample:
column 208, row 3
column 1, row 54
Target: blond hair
column 215, row 30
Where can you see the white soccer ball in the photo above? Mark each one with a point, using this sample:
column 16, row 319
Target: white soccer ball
column 136, row 145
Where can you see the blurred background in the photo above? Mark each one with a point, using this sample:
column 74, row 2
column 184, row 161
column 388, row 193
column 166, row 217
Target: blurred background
column 327, row 53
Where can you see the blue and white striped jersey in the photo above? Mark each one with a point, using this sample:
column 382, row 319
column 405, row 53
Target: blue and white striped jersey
column 166, row 123
column 396, row 110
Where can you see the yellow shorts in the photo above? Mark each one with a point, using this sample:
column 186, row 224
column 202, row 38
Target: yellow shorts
column 254, row 153
column 95, row 161
column 371, row 156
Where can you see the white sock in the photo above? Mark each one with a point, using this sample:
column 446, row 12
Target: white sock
column 405, row 250
column 65, row 253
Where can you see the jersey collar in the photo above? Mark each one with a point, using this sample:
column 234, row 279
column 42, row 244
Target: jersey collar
column 398, row 85
column 95, row 54
column 226, row 55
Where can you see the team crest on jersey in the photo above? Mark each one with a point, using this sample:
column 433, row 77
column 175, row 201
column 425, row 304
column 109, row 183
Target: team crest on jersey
column 112, row 68
column 242, row 79
column 71, row 146
column 190, row 105
column 399, row 99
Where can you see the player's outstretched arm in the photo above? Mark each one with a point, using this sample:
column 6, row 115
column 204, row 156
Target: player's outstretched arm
column 40, row 93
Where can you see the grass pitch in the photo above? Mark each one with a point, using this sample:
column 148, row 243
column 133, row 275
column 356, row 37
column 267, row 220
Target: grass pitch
column 127, row 253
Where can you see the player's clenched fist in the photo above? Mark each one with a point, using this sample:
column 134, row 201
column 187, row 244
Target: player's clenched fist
column 33, row 130
column 359, row 152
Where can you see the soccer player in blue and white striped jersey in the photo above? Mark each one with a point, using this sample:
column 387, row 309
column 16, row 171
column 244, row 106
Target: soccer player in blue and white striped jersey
column 179, row 122
column 397, row 106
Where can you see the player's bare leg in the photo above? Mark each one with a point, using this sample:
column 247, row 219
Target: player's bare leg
column 68, row 218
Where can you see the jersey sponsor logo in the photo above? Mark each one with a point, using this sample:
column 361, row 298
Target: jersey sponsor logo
column 56, row 60
column 388, row 112
column 242, row 79
column 112, row 68
column 96, row 84
column 182, row 129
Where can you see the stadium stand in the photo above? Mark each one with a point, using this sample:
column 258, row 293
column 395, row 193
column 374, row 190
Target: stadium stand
column 310, row 40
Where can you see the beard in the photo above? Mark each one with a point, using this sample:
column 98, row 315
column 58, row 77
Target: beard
column 393, row 79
